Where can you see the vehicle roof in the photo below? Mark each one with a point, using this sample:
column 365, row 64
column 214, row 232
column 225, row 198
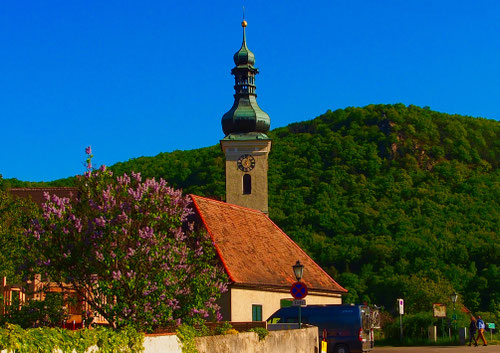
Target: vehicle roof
column 327, row 308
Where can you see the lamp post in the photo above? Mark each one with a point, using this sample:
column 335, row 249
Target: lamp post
column 298, row 270
column 454, row 297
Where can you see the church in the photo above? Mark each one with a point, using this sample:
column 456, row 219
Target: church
column 256, row 254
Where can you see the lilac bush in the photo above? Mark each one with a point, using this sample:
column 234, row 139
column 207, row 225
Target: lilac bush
column 132, row 248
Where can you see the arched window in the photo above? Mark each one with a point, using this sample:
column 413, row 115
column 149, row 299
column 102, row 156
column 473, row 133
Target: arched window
column 247, row 184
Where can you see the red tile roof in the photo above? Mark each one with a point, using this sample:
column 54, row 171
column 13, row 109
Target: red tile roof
column 36, row 194
column 255, row 251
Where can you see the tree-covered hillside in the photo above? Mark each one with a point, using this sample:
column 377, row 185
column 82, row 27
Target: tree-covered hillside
column 392, row 201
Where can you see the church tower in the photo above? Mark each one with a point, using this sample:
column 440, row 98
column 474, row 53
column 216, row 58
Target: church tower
column 246, row 145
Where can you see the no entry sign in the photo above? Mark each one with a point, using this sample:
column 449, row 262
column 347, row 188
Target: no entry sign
column 298, row 290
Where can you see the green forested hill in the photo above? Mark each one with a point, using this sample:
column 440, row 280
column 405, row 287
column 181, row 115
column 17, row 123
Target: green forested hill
column 392, row 201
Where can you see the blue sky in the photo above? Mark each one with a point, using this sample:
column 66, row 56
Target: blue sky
column 136, row 78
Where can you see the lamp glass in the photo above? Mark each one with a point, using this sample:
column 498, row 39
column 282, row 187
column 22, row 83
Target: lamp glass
column 454, row 297
column 298, row 270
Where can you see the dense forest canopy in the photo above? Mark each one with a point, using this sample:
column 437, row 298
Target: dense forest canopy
column 393, row 201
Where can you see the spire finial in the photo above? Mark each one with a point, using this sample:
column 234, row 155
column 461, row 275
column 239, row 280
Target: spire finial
column 243, row 23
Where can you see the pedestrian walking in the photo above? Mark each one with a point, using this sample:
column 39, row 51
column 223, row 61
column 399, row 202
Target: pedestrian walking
column 472, row 331
column 480, row 327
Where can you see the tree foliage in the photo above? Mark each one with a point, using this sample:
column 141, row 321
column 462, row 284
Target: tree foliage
column 15, row 214
column 394, row 201
column 130, row 247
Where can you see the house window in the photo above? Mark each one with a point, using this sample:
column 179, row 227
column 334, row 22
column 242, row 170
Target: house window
column 247, row 184
column 256, row 312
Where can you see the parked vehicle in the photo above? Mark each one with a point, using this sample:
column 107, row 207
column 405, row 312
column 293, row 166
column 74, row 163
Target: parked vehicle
column 346, row 328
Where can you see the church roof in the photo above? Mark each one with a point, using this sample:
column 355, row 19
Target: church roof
column 256, row 252
column 37, row 194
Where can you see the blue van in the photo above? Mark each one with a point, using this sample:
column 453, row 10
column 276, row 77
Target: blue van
column 347, row 328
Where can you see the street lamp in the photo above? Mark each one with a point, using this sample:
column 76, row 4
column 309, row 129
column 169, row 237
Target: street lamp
column 298, row 269
column 454, row 297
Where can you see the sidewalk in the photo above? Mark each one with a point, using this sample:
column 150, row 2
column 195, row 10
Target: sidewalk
column 438, row 349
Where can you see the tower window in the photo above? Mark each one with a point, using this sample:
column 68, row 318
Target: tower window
column 247, row 184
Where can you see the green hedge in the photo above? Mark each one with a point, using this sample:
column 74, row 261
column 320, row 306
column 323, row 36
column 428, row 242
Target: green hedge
column 416, row 325
column 45, row 340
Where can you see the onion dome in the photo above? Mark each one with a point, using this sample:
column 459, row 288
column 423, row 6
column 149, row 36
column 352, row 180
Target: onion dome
column 245, row 119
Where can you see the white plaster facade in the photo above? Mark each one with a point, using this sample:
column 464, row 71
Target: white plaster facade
column 241, row 301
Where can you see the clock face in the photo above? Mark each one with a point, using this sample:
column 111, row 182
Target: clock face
column 246, row 162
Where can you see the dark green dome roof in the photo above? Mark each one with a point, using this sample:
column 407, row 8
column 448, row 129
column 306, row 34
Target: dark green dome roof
column 244, row 56
column 245, row 116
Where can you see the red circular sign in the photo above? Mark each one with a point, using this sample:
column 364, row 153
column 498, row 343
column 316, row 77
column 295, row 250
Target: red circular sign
column 298, row 290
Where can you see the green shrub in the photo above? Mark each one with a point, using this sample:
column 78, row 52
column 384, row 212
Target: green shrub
column 222, row 329
column 260, row 331
column 414, row 325
column 488, row 317
column 36, row 313
column 186, row 335
column 13, row 338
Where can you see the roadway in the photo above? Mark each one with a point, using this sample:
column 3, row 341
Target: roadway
column 438, row 349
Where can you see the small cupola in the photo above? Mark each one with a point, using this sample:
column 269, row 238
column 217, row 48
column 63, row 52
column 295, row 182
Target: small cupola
column 244, row 56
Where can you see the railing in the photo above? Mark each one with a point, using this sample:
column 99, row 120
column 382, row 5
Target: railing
column 36, row 290
column 239, row 326
column 11, row 294
column 284, row 326
column 212, row 326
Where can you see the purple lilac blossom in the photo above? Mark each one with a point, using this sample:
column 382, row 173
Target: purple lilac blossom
column 153, row 217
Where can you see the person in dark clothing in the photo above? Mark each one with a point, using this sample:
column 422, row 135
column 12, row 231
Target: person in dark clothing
column 472, row 331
